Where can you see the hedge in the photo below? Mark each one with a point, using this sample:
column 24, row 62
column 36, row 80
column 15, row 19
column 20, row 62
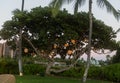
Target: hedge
column 109, row 72
column 112, row 72
column 34, row 69
column 73, row 72
column 8, row 66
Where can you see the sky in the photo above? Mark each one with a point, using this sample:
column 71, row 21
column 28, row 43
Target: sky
column 7, row 6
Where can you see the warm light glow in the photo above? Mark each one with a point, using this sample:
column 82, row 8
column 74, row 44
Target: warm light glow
column 73, row 41
column 69, row 52
column 26, row 50
column 66, row 45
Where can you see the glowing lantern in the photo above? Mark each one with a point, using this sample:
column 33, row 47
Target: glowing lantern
column 66, row 45
column 26, row 50
column 69, row 52
column 73, row 41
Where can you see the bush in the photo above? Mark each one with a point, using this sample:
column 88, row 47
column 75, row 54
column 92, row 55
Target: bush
column 73, row 72
column 95, row 72
column 112, row 72
column 34, row 69
column 8, row 66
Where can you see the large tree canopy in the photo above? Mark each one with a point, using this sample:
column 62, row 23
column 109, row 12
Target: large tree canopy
column 45, row 31
column 65, row 34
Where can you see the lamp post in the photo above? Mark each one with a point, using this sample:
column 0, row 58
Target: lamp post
column 20, row 46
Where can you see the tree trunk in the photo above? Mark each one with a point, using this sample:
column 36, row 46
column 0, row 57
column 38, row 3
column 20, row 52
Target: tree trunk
column 50, row 64
column 89, row 43
column 20, row 46
column 20, row 54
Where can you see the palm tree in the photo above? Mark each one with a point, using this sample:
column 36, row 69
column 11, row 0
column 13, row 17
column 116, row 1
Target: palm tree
column 57, row 4
column 89, row 42
column 20, row 46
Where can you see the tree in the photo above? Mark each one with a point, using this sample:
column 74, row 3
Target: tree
column 116, row 57
column 63, row 34
column 101, row 3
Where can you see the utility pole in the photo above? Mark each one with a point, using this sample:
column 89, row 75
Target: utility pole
column 20, row 46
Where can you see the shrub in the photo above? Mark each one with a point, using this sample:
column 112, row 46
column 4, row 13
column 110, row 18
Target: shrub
column 112, row 72
column 109, row 72
column 73, row 72
column 8, row 66
column 34, row 69
column 95, row 72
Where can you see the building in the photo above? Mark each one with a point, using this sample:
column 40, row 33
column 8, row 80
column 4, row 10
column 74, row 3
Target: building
column 5, row 50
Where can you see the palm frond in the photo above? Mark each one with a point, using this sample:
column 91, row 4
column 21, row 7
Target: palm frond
column 118, row 30
column 78, row 3
column 57, row 4
column 109, row 8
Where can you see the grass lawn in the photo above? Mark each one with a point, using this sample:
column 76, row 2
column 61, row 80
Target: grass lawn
column 38, row 79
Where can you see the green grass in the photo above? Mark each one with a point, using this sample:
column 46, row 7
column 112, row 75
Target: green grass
column 38, row 79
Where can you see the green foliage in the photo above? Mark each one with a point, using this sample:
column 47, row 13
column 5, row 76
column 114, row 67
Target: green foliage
column 34, row 69
column 57, row 4
column 95, row 72
column 112, row 72
column 109, row 72
column 28, row 60
column 44, row 31
column 8, row 66
column 116, row 58
column 73, row 72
